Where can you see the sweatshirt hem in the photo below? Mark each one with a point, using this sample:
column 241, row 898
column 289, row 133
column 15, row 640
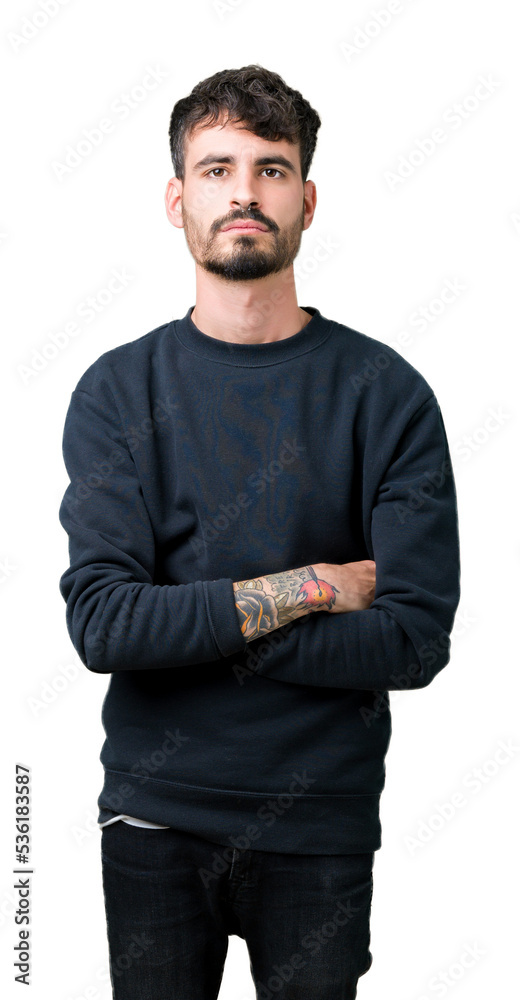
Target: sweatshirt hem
column 281, row 822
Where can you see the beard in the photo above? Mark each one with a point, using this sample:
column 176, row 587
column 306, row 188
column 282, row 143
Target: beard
column 243, row 259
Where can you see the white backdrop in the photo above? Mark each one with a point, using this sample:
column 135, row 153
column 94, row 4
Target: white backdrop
column 417, row 172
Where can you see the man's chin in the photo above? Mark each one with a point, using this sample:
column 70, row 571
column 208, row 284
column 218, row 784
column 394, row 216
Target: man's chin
column 242, row 270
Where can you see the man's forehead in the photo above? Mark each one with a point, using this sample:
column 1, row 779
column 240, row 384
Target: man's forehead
column 233, row 138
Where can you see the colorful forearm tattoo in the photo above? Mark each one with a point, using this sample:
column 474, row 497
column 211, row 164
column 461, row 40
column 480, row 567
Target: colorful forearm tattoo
column 268, row 602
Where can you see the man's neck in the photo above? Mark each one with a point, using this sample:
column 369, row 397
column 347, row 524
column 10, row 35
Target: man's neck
column 258, row 315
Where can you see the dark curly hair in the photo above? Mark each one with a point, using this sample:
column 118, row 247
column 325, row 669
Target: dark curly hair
column 253, row 96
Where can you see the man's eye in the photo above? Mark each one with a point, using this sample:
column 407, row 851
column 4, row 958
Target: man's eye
column 273, row 169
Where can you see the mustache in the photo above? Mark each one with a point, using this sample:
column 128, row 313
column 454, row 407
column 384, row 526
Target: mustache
column 250, row 217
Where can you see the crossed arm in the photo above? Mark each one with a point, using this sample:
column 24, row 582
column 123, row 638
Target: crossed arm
column 267, row 602
column 120, row 618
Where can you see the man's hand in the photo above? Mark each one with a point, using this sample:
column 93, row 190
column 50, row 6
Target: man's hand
column 354, row 584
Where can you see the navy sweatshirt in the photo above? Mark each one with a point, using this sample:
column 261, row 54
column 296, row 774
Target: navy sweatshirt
column 196, row 462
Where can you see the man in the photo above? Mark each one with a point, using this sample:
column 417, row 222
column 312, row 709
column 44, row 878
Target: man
column 232, row 472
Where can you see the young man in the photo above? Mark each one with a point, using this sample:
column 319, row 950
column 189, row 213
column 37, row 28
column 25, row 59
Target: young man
column 263, row 541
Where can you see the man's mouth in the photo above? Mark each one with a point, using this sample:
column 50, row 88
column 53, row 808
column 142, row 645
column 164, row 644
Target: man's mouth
column 247, row 226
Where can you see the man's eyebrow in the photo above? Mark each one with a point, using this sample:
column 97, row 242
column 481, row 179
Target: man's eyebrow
column 261, row 161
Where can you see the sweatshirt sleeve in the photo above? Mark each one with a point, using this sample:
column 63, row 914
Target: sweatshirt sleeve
column 117, row 618
column 403, row 639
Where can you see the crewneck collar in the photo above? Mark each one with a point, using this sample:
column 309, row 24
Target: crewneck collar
column 252, row 355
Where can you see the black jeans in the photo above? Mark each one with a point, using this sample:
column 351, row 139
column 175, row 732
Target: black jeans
column 173, row 898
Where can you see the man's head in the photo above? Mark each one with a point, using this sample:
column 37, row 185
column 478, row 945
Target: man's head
column 241, row 145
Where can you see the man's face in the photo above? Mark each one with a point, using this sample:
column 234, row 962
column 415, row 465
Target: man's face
column 230, row 186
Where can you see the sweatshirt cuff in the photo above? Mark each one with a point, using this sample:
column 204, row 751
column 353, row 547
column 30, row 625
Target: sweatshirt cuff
column 223, row 616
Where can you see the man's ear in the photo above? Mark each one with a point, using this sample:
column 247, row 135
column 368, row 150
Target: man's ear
column 173, row 202
column 309, row 202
